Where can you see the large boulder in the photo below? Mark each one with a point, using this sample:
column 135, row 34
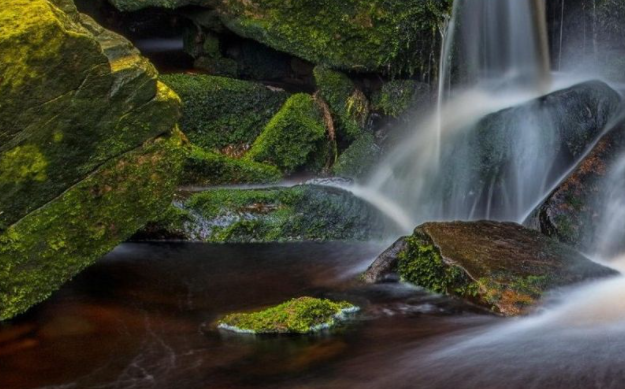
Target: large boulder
column 359, row 35
column 299, row 213
column 88, row 146
column 495, row 169
column 501, row 266
column 573, row 212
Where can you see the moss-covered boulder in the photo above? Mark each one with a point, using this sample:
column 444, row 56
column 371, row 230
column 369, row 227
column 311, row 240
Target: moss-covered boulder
column 298, row 316
column 223, row 114
column 501, row 266
column 296, row 137
column 360, row 35
column 573, row 212
column 348, row 104
column 83, row 118
column 299, row 213
column 204, row 168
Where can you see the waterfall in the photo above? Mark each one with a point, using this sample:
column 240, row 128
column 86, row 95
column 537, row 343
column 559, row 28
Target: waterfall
column 494, row 55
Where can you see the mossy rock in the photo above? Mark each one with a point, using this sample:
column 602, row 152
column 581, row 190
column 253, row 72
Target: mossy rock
column 348, row 104
column 358, row 35
column 298, row 316
column 49, row 246
column 296, row 214
column 87, row 154
column 203, row 168
column 359, row 159
column 295, row 138
column 221, row 113
column 74, row 96
column 500, row 266
column 573, row 211
column 397, row 98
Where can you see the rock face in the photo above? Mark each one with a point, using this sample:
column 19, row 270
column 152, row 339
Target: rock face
column 358, row 35
column 545, row 136
column 88, row 146
column 572, row 212
column 300, row 213
column 501, row 266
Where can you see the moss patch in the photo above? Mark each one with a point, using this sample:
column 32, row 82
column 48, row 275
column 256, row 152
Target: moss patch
column 298, row 316
column 220, row 113
column 398, row 97
column 295, row 138
column 359, row 159
column 205, row 168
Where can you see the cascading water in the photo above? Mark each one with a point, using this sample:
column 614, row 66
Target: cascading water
column 495, row 55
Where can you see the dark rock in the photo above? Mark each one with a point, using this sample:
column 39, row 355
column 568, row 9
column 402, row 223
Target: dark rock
column 501, row 266
column 384, row 268
column 484, row 164
column 573, row 211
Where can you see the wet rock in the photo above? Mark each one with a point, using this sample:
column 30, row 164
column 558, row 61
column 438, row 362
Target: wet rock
column 300, row 213
column 573, row 211
column 383, row 269
column 500, row 266
column 359, row 159
column 496, row 168
column 88, row 146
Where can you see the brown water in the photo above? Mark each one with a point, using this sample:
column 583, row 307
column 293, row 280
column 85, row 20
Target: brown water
column 136, row 320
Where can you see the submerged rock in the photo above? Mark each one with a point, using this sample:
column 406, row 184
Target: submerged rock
column 298, row 316
column 573, row 211
column 300, row 213
column 88, row 147
column 501, row 266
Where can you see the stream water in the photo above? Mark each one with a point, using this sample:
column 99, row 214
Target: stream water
column 137, row 320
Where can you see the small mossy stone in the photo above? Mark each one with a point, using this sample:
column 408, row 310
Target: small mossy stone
column 298, row 316
column 295, row 138
column 399, row 97
column 220, row 112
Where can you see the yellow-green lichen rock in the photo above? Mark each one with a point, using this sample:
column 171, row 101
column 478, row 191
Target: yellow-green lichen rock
column 82, row 118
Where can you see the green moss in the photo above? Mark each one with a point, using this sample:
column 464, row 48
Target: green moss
column 295, row 138
column 23, row 164
column 398, row 97
column 52, row 244
column 298, row 316
column 421, row 264
column 359, row 159
column 300, row 213
column 219, row 112
column 361, row 35
column 349, row 106
column 209, row 168
column 74, row 96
